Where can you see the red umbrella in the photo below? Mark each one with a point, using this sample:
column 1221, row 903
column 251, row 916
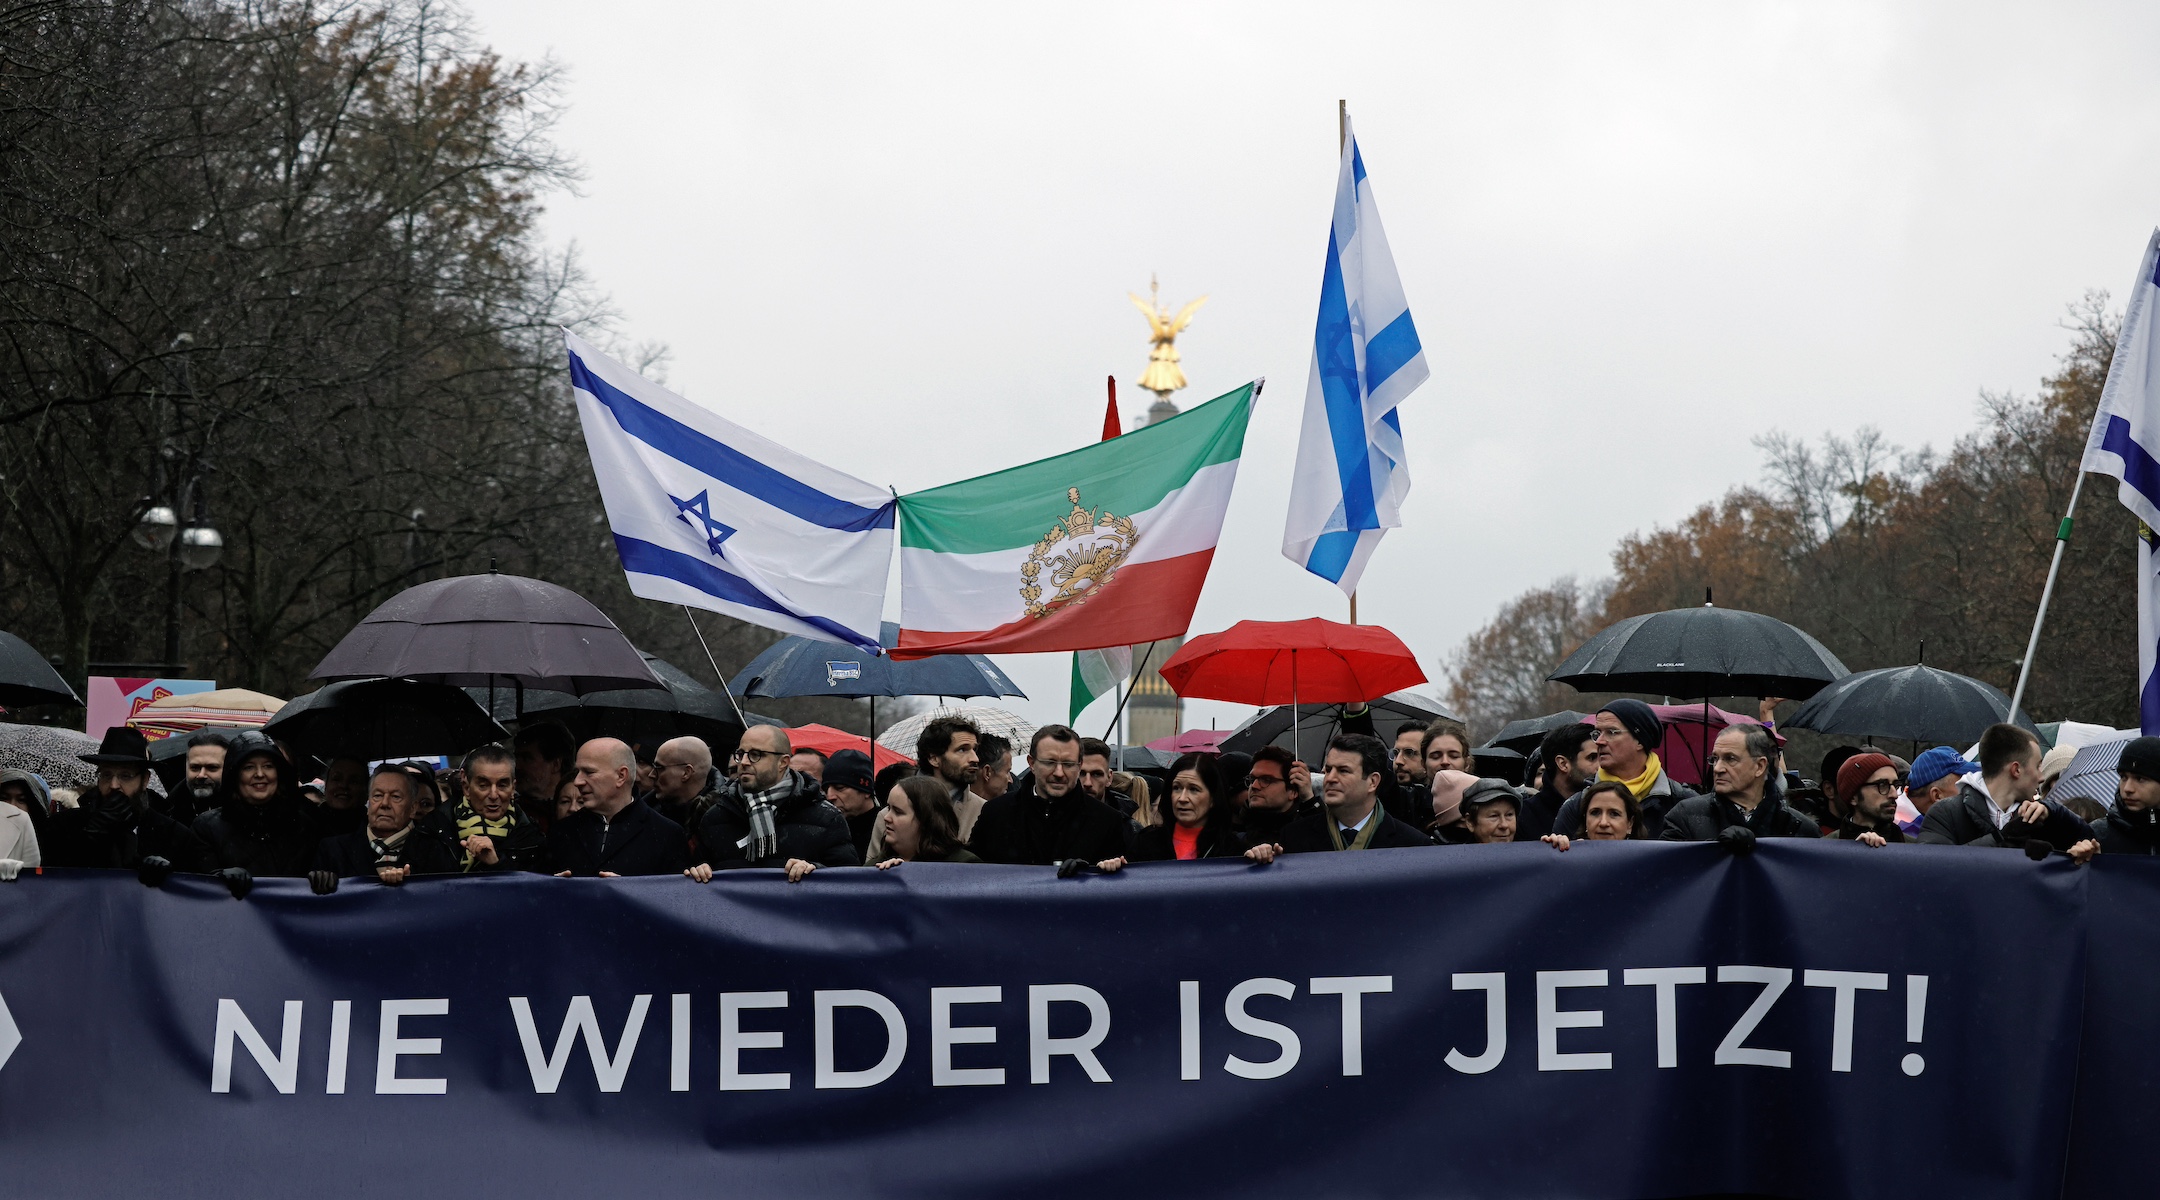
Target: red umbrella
column 832, row 741
column 1192, row 741
column 1290, row 662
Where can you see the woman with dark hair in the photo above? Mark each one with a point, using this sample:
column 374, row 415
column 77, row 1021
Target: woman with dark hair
column 1611, row 813
column 919, row 824
column 258, row 823
column 1196, row 819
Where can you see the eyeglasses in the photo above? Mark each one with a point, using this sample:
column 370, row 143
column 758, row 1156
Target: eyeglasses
column 1262, row 780
column 1881, row 787
column 751, row 756
column 1606, row 735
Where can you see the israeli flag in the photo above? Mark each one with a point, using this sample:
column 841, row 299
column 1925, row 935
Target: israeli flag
column 1351, row 474
column 2125, row 443
column 709, row 514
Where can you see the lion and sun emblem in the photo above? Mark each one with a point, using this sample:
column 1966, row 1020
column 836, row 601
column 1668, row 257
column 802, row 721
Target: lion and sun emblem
column 1076, row 558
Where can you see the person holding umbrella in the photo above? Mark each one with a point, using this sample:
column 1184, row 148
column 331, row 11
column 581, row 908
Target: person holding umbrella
column 1627, row 735
column 1350, row 788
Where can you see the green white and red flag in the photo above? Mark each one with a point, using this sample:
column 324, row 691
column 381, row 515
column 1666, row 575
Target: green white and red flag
column 1105, row 546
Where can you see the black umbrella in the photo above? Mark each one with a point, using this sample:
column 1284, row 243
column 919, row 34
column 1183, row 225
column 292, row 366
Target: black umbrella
column 683, row 708
column 490, row 630
column 26, row 678
column 1524, row 736
column 371, row 719
column 802, row 666
column 1316, row 723
column 1917, row 703
column 1696, row 653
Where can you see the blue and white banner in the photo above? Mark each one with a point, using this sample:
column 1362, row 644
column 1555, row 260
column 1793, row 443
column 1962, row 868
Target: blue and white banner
column 2125, row 443
column 1351, row 471
column 709, row 514
column 1623, row 1020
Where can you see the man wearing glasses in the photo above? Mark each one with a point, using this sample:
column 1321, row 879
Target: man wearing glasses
column 1869, row 784
column 684, row 782
column 774, row 816
column 1273, row 797
column 1628, row 735
column 1047, row 819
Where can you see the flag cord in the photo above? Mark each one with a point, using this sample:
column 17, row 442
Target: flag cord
column 2047, row 593
column 715, row 665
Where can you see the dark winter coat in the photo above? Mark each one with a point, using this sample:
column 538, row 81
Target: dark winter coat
column 2129, row 833
column 805, row 826
column 1263, row 825
column 353, row 855
column 1851, row 830
column 268, row 840
column 1703, row 818
column 1022, row 827
column 1308, row 835
column 1965, row 820
column 1155, row 843
column 103, row 835
column 1663, row 796
column 1535, row 816
column 638, row 841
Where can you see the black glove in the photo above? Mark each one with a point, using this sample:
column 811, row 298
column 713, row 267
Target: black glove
column 322, row 882
column 237, row 881
column 2037, row 849
column 1737, row 839
column 1071, row 867
column 154, row 871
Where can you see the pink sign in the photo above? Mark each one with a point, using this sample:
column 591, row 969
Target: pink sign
column 111, row 701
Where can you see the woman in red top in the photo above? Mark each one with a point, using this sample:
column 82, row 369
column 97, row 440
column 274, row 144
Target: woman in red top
column 1196, row 818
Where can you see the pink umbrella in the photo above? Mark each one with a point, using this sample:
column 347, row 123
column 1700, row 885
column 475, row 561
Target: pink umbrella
column 1192, row 741
column 1687, row 737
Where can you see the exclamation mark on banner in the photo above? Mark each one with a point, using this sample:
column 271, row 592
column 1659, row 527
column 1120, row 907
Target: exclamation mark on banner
column 1915, row 1020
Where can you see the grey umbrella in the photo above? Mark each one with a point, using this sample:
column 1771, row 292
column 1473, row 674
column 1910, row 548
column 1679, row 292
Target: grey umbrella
column 490, row 630
column 26, row 678
column 1916, row 703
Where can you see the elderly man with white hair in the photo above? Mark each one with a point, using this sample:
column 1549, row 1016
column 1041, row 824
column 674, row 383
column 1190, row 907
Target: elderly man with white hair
column 614, row 833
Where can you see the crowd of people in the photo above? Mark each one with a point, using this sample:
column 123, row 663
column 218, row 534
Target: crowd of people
column 238, row 809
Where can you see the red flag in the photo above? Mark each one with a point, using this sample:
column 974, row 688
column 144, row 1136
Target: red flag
column 1109, row 418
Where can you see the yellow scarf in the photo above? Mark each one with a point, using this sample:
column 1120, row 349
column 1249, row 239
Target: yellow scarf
column 1640, row 785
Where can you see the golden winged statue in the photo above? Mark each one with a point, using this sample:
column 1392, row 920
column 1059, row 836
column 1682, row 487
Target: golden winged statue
column 1164, row 375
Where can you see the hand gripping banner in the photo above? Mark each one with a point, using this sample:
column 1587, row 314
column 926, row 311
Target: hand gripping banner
column 1623, row 1020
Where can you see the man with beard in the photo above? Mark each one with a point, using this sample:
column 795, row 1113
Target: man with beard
column 1411, row 773
column 390, row 849
column 945, row 750
column 2133, row 827
column 205, row 767
column 1569, row 758
column 491, row 832
column 1746, row 803
column 1868, row 784
column 775, row 816
column 115, row 825
column 1048, row 819
column 1271, row 798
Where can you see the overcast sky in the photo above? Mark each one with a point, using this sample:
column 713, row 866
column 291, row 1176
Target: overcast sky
column 899, row 237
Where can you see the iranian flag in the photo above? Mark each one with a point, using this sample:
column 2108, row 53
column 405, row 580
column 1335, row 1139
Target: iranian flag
column 1105, row 546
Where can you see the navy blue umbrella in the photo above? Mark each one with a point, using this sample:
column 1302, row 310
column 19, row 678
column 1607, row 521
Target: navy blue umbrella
column 801, row 666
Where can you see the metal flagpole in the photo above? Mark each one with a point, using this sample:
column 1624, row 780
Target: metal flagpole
column 2047, row 593
column 715, row 665
column 1342, row 138
column 1112, row 730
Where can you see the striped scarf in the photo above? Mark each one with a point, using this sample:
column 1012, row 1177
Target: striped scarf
column 472, row 824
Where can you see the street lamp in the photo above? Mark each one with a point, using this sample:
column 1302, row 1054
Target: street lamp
column 155, row 529
column 200, row 546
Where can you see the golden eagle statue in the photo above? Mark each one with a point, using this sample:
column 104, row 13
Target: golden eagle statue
column 1164, row 375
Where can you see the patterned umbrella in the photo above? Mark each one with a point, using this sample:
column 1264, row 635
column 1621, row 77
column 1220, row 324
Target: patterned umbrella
column 49, row 751
column 1008, row 725
column 190, row 711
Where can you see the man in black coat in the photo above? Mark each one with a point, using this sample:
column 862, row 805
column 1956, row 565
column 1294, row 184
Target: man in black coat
column 774, row 816
column 1272, row 796
column 1350, row 781
column 115, row 824
column 391, row 848
column 615, row 833
column 2006, row 810
column 1048, row 819
column 1569, row 756
column 1745, row 794
column 2133, row 826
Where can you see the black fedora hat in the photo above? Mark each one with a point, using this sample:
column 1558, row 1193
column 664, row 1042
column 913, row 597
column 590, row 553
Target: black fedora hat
column 122, row 747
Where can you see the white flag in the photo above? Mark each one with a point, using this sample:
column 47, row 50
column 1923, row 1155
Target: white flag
column 709, row 514
column 1351, row 474
column 2125, row 443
